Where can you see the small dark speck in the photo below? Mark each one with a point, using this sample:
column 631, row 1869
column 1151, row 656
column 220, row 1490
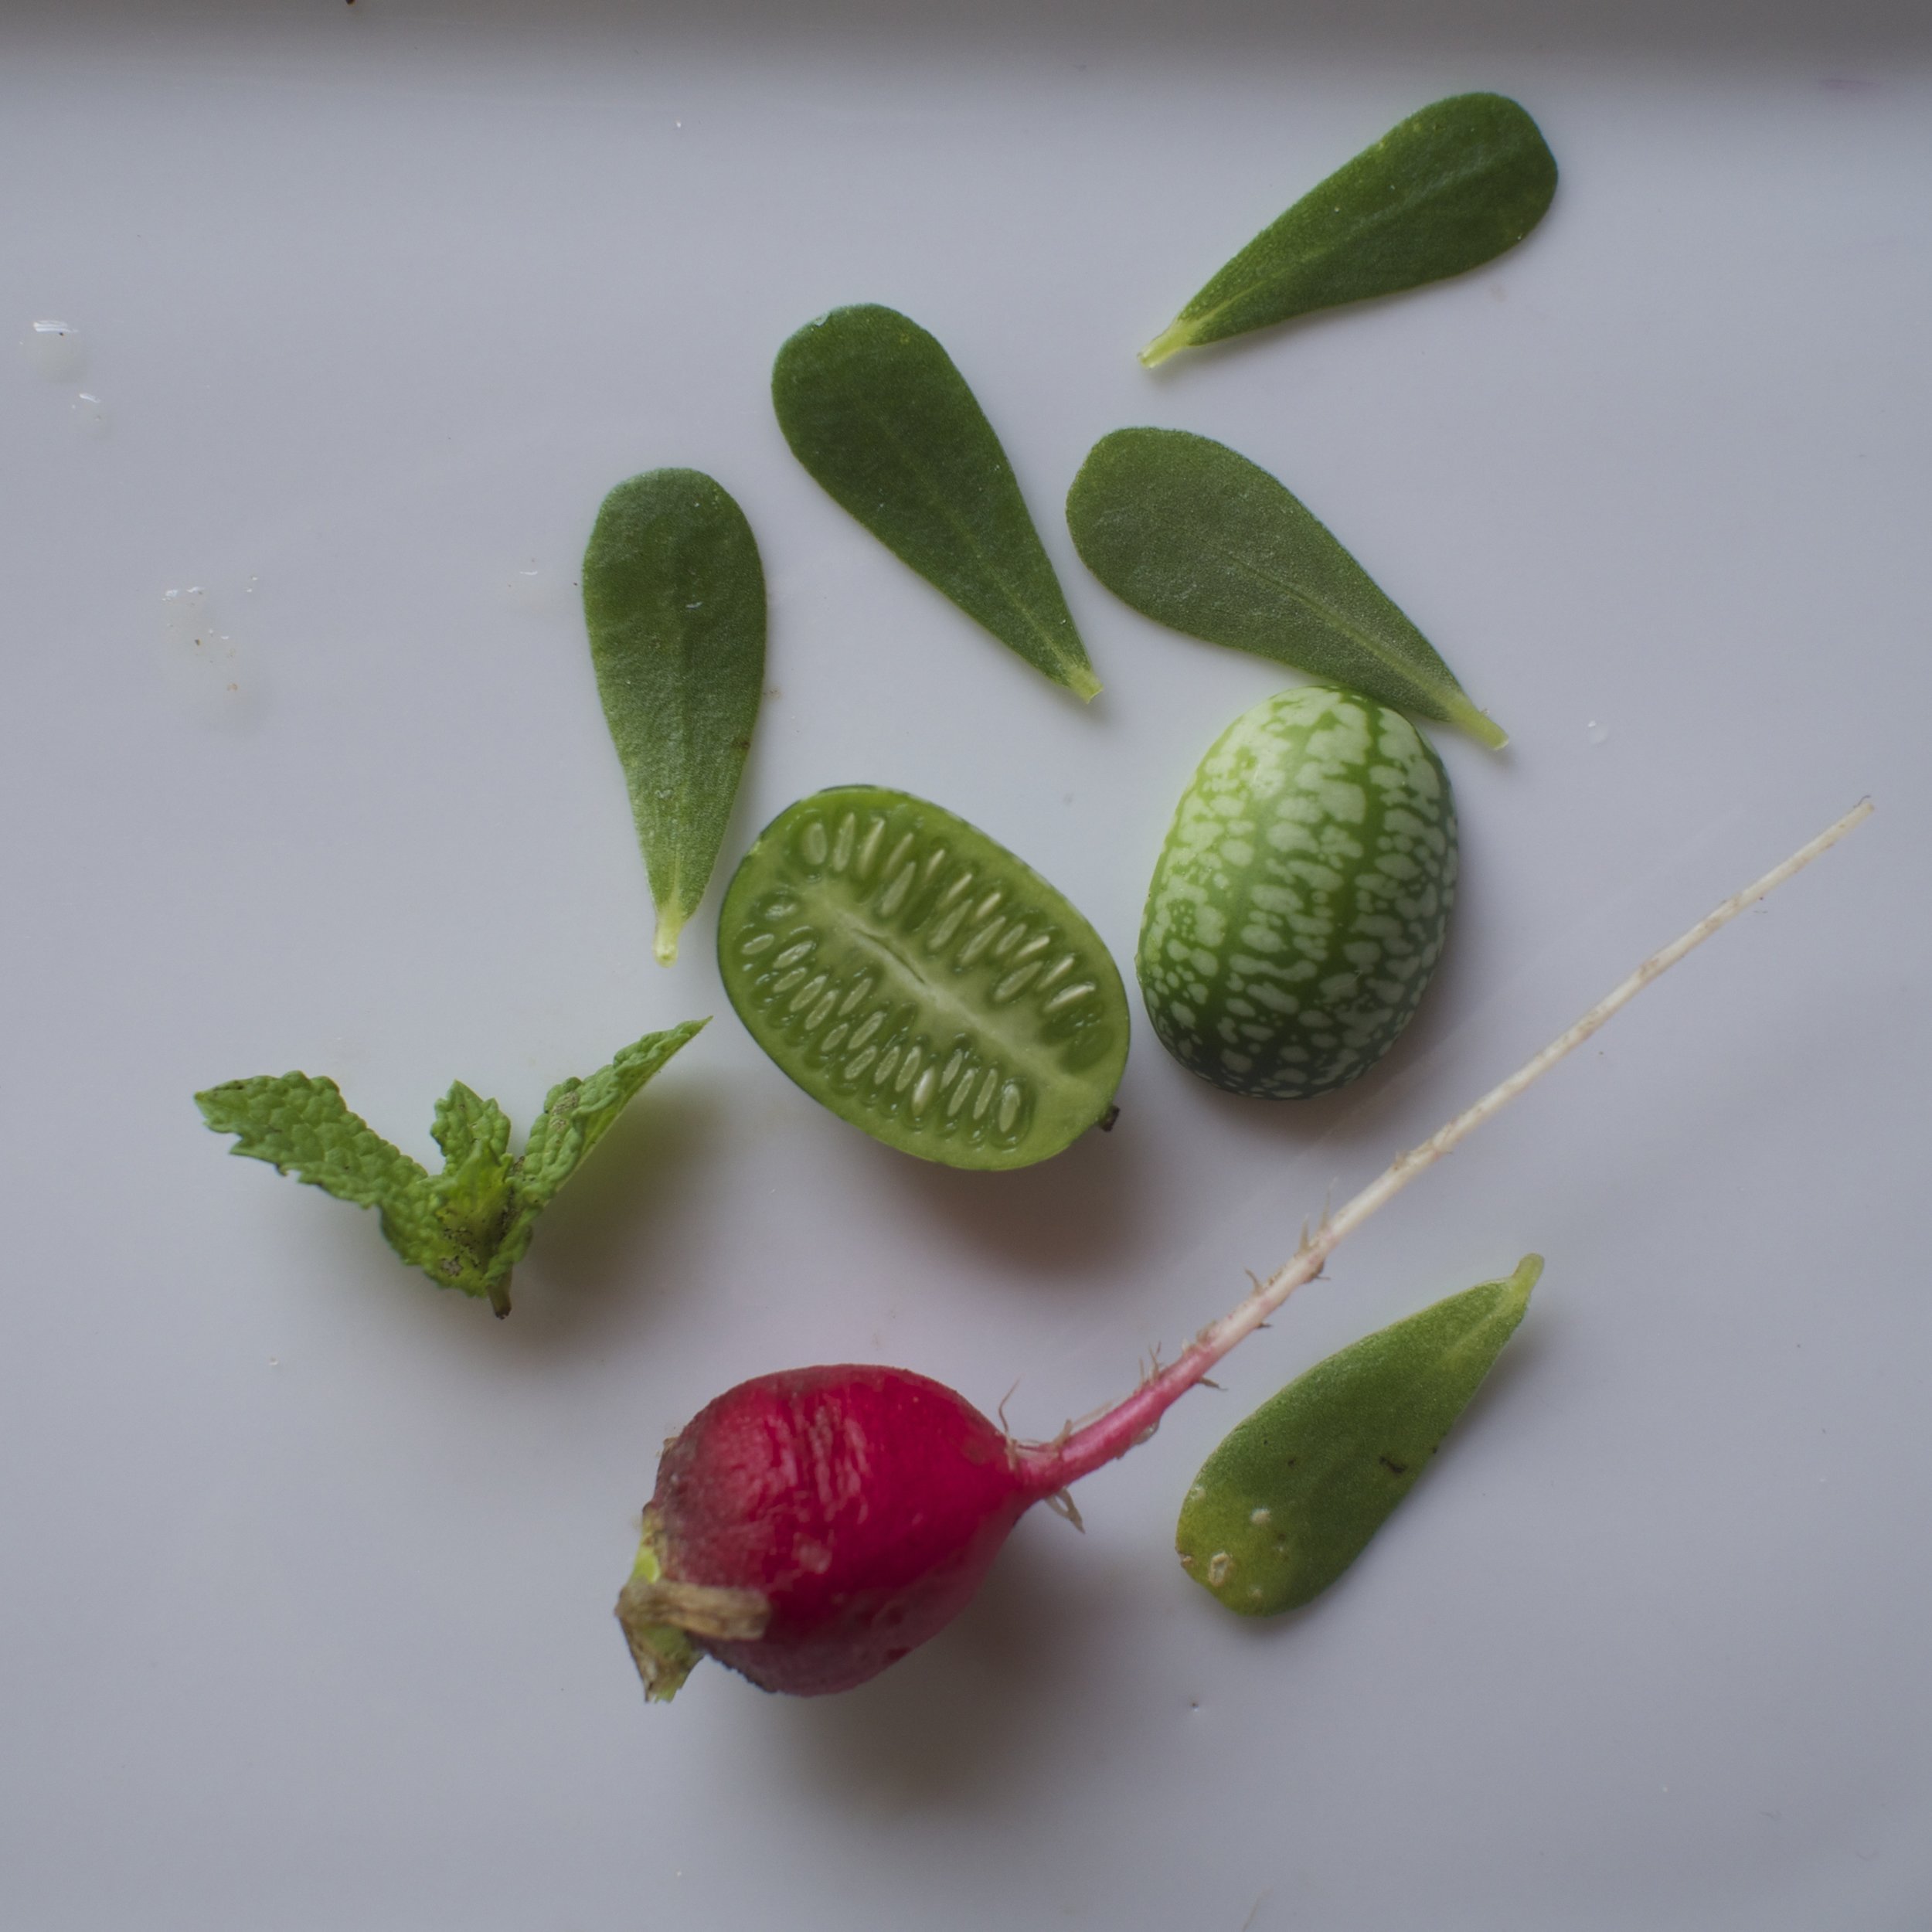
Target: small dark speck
column 1067, row 797
column 1394, row 1469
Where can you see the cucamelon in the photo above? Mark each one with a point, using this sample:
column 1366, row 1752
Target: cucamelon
column 1302, row 899
column 921, row 981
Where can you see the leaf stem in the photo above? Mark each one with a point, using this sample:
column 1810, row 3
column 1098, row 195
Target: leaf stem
column 664, row 945
column 1178, row 334
column 1479, row 725
column 1049, row 1466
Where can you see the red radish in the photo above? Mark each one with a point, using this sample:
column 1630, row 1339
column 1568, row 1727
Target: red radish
column 864, row 1504
column 811, row 1527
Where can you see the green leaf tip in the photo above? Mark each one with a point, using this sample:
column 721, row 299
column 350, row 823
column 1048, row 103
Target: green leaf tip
column 1176, row 335
column 1196, row 536
column 1442, row 192
column 674, row 601
column 1293, row 1494
column 469, row 1225
column 664, row 943
column 880, row 416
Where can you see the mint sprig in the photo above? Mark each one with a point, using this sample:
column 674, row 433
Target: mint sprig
column 469, row 1225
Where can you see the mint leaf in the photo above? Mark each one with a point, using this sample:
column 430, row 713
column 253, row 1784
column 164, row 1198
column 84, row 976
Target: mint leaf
column 577, row 1113
column 469, row 1225
column 305, row 1127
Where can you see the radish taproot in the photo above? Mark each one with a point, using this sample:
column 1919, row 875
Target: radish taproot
column 810, row 1527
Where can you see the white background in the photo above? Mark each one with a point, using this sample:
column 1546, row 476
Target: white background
column 307, row 1568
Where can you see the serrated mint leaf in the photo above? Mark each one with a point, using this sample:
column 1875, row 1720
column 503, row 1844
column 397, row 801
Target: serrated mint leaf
column 577, row 1113
column 473, row 1197
column 469, row 1225
column 305, row 1127
column 466, row 1125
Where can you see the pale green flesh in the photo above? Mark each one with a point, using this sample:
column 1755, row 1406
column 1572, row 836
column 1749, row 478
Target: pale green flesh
column 921, row 981
column 1293, row 1494
column 1302, row 896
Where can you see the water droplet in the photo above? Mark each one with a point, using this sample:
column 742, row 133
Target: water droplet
column 1596, row 734
column 90, row 418
column 211, row 675
column 540, row 589
column 55, row 349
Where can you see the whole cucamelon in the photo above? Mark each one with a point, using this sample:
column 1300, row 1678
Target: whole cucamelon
column 1302, row 899
column 922, row 982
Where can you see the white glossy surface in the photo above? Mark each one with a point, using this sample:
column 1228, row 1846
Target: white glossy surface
column 309, row 1569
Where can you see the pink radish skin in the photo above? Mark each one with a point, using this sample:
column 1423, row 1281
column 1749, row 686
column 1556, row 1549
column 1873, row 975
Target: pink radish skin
column 864, row 1504
column 810, row 1527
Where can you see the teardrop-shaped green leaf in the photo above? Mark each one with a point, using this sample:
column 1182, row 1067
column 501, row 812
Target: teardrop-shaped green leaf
column 875, row 408
column 674, row 596
column 1444, row 192
column 1193, row 535
column 1292, row 1496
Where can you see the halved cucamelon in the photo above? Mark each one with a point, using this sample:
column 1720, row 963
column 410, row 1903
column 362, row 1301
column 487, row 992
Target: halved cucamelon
column 921, row 981
column 1302, row 897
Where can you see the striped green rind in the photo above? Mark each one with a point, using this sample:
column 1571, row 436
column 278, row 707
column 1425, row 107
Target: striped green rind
column 1302, row 896
column 1293, row 1494
column 921, row 981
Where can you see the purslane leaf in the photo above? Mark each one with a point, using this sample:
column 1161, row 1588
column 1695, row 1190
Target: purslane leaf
column 469, row 1225
column 674, row 599
column 875, row 408
column 1193, row 535
column 1444, row 192
column 1293, row 1494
